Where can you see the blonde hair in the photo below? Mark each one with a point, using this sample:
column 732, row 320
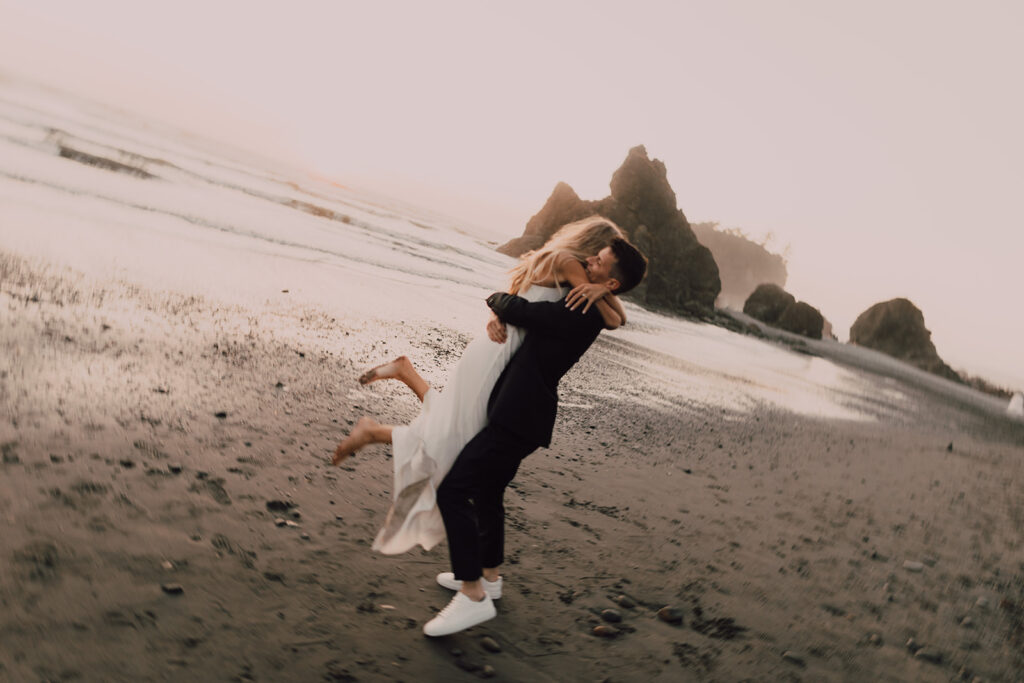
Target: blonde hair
column 581, row 239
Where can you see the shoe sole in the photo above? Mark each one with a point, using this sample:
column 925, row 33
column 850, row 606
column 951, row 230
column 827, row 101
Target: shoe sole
column 448, row 632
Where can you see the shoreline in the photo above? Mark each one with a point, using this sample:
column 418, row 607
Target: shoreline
column 795, row 547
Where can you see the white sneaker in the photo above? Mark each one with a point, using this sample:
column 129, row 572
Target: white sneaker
column 461, row 613
column 492, row 588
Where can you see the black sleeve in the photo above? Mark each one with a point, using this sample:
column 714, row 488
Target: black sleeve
column 552, row 317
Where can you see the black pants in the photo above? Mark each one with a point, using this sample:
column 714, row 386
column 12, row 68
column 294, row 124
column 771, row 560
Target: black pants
column 471, row 500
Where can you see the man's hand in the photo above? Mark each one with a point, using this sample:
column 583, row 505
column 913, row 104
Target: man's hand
column 496, row 330
column 588, row 293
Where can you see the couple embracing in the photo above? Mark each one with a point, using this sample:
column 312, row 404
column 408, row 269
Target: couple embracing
column 454, row 461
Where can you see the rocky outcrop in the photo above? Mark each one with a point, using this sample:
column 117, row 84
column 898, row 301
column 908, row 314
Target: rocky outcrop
column 767, row 303
column 743, row 264
column 896, row 328
column 682, row 275
column 803, row 319
column 775, row 306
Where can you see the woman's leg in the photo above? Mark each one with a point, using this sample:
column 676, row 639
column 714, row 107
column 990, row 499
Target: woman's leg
column 401, row 369
column 366, row 431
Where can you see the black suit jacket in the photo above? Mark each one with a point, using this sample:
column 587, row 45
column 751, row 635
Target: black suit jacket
column 525, row 398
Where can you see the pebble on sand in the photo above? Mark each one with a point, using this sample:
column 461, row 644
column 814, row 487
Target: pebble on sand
column 490, row 644
column 172, row 588
column 929, row 654
column 605, row 631
column 624, row 601
column 612, row 616
column 912, row 566
column 488, row 671
column 671, row 615
column 794, row 658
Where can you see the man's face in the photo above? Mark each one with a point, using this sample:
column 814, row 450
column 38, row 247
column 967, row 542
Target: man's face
column 599, row 267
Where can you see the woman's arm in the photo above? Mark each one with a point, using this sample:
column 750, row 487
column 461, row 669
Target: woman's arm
column 568, row 269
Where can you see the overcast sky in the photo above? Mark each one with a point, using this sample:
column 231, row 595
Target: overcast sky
column 881, row 141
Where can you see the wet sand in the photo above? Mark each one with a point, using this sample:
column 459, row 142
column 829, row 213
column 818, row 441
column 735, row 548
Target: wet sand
column 169, row 513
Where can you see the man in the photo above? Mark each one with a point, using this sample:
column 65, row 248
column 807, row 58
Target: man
column 521, row 417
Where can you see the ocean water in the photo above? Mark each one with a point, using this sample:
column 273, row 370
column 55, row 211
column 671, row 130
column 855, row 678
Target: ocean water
column 100, row 191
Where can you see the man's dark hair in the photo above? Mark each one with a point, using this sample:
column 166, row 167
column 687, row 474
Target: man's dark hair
column 630, row 265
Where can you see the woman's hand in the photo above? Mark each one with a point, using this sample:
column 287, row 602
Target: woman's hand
column 496, row 330
column 589, row 293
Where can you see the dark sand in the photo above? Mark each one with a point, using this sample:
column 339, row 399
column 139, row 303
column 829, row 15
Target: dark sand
column 781, row 539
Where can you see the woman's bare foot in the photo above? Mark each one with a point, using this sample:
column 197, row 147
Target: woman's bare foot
column 401, row 369
column 360, row 436
column 395, row 369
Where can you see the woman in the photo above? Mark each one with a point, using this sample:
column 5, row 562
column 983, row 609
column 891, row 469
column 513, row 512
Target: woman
column 425, row 449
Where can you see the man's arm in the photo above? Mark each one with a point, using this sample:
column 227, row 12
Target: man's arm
column 551, row 317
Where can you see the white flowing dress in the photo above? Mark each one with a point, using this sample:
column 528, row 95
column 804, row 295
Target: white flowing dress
column 426, row 448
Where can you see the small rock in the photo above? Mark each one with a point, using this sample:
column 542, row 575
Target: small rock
column 304, row 536
column 488, row 671
column 279, row 522
column 982, row 603
column 625, row 601
column 929, row 654
column 220, row 415
column 671, row 615
column 612, row 616
column 490, row 644
column 279, row 505
column 605, row 631
column 794, row 658
column 875, row 639
column 167, row 564
column 174, row 468
column 467, row 665
column 289, row 522
column 913, row 645
column 912, row 566
column 172, row 588
column 127, row 464
column 967, row 622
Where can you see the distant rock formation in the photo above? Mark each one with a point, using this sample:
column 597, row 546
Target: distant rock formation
column 802, row 318
column 767, row 302
column 896, row 328
column 742, row 263
column 775, row 306
column 682, row 275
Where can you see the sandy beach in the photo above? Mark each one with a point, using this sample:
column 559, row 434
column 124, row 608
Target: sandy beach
column 169, row 514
